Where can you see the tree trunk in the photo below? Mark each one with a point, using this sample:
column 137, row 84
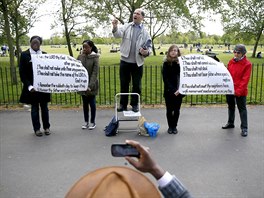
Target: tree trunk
column 67, row 33
column 68, row 40
column 18, row 51
column 153, row 49
column 257, row 41
column 9, row 43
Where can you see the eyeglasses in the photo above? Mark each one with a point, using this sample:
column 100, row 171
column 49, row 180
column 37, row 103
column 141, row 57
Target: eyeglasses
column 237, row 52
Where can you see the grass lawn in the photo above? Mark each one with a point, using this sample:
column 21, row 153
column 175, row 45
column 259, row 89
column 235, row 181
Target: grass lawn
column 108, row 59
column 151, row 78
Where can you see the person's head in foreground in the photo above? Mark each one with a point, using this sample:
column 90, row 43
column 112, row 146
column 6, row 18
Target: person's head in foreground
column 113, row 181
column 124, row 182
column 120, row 182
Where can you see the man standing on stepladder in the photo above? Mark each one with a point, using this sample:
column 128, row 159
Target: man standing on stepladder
column 135, row 47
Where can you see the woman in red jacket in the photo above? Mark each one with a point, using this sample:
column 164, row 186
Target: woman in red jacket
column 240, row 70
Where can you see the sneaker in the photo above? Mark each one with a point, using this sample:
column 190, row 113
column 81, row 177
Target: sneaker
column 92, row 126
column 47, row 131
column 85, row 125
column 38, row 133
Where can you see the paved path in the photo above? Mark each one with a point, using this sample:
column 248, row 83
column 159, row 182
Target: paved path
column 211, row 162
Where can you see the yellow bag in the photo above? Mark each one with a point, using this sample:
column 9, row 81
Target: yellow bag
column 142, row 130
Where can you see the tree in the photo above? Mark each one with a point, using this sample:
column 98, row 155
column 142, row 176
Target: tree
column 4, row 9
column 245, row 19
column 19, row 17
column 22, row 16
column 242, row 18
column 72, row 16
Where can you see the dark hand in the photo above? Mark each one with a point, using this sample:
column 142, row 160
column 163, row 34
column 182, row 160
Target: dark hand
column 145, row 163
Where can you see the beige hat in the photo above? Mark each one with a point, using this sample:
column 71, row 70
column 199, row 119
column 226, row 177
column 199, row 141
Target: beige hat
column 114, row 182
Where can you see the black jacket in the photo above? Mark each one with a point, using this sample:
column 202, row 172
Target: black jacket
column 171, row 78
column 26, row 76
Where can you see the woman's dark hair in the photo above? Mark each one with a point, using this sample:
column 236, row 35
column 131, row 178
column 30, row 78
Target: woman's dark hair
column 36, row 37
column 91, row 44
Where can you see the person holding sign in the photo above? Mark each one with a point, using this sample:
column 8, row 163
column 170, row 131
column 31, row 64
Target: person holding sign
column 29, row 95
column 171, row 79
column 240, row 70
column 90, row 60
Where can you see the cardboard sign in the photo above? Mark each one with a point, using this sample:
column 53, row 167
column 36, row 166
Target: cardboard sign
column 58, row 73
column 202, row 75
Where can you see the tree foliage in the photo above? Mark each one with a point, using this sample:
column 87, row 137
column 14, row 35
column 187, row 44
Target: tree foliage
column 19, row 17
column 245, row 19
column 72, row 15
column 160, row 15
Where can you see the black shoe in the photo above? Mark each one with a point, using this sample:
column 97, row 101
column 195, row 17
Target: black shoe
column 135, row 108
column 174, row 131
column 228, row 126
column 121, row 108
column 244, row 132
column 169, row 131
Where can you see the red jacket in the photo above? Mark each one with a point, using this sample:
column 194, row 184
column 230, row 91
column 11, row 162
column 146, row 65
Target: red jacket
column 240, row 72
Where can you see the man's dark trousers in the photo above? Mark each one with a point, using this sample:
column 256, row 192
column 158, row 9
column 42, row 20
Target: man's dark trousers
column 128, row 70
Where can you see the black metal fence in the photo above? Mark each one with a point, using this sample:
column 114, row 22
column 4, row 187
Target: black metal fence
column 152, row 88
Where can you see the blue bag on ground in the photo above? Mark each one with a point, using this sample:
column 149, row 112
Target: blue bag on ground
column 152, row 128
column 111, row 128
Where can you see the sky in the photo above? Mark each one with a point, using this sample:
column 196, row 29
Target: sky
column 42, row 27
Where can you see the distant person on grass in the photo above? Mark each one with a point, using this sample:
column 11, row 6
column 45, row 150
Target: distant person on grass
column 29, row 95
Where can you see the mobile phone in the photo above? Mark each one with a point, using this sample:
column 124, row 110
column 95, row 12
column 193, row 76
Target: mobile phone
column 122, row 150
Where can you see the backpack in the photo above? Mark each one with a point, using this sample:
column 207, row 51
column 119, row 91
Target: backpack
column 111, row 128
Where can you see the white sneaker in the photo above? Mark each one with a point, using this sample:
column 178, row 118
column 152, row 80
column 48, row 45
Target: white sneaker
column 85, row 125
column 92, row 126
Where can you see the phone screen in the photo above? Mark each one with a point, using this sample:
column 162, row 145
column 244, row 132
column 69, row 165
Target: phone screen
column 122, row 150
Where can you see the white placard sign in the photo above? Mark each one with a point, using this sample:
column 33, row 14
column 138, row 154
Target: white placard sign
column 58, row 73
column 202, row 75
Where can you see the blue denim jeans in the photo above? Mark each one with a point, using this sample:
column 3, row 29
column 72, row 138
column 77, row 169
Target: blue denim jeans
column 241, row 105
column 44, row 115
column 89, row 100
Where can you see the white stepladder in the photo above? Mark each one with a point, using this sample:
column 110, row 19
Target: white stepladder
column 127, row 116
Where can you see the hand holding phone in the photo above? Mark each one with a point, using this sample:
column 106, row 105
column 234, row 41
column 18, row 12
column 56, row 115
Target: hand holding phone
column 122, row 150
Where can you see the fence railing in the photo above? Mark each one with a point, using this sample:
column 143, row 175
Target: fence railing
column 152, row 88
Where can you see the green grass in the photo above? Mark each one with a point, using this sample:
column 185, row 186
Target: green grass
column 108, row 59
column 152, row 85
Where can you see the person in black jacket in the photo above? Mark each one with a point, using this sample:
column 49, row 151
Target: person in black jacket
column 29, row 95
column 171, row 79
